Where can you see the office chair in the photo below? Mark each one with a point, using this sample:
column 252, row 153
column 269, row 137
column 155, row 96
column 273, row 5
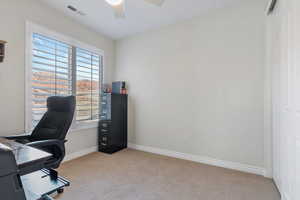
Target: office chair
column 50, row 133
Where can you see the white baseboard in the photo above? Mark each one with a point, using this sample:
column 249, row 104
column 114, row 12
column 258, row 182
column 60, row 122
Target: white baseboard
column 80, row 153
column 285, row 196
column 268, row 173
column 201, row 159
column 184, row 156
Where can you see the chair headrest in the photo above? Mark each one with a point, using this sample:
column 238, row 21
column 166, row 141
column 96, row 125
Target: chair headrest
column 61, row 104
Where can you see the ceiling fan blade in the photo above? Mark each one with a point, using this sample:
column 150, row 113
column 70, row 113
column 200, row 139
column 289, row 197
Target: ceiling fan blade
column 119, row 10
column 156, row 2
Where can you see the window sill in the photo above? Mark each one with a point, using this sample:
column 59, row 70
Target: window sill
column 77, row 126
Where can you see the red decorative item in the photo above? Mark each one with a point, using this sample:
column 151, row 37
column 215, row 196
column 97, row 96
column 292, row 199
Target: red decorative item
column 123, row 91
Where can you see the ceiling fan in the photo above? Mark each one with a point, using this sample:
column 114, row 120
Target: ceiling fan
column 119, row 8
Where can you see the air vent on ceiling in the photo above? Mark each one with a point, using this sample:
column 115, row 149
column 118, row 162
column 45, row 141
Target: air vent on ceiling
column 72, row 8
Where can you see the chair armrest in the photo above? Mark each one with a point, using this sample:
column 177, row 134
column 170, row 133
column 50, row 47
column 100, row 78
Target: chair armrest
column 55, row 147
column 18, row 137
column 47, row 143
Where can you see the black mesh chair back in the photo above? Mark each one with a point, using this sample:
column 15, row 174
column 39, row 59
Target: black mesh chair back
column 56, row 121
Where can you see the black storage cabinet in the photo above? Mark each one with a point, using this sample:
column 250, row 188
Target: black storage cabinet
column 113, row 123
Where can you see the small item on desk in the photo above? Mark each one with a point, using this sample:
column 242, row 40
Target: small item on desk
column 106, row 88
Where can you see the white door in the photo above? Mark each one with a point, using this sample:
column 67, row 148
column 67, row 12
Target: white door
column 296, row 57
column 286, row 101
column 274, row 31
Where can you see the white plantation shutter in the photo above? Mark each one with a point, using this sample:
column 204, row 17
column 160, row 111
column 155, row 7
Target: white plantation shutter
column 60, row 69
column 51, row 72
column 87, row 84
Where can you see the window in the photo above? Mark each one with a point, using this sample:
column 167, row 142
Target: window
column 51, row 73
column 61, row 67
column 87, row 84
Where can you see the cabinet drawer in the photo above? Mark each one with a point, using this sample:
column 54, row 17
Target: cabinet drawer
column 103, row 145
column 104, row 138
column 104, row 130
column 105, row 124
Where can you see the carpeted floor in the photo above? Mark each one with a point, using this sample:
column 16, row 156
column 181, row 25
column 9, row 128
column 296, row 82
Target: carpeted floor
column 136, row 175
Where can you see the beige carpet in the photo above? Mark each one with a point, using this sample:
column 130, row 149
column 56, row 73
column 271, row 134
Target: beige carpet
column 136, row 175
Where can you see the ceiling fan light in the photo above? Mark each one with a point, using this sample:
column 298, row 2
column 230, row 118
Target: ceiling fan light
column 114, row 2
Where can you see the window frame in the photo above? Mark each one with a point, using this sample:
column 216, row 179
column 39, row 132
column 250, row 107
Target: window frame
column 32, row 28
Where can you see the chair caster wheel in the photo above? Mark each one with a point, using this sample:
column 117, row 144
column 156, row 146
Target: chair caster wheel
column 60, row 190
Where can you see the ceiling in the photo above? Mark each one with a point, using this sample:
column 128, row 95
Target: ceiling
column 140, row 15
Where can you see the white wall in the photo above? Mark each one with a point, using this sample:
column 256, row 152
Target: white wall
column 197, row 87
column 13, row 14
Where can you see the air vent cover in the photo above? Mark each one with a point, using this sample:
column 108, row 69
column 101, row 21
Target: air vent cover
column 72, row 8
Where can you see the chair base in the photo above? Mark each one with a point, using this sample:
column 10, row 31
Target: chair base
column 53, row 174
column 42, row 183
